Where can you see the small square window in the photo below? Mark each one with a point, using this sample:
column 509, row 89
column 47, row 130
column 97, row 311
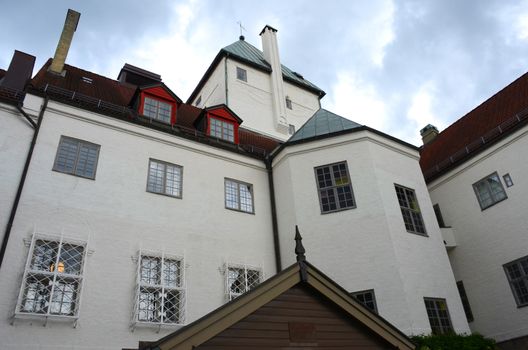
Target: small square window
column 367, row 298
column 239, row 196
column 241, row 74
column 160, row 294
column 507, row 180
column 241, row 279
column 76, row 157
column 412, row 216
column 157, row 110
column 517, row 273
column 53, row 277
column 335, row 188
column 222, row 129
column 438, row 314
column 198, row 100
column 288, row 103
column 291, row 129
column 165, row 178
column 489, row 191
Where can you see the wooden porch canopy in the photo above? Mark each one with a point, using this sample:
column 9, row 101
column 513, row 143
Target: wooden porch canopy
column 299, row 308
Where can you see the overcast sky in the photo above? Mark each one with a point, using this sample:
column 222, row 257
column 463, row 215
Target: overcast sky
column 392, row 65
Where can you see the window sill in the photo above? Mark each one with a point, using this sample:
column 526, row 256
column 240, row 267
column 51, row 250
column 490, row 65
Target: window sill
column 165, row 194
column 241, row 211
column 337, row 210
column 72, row 174
column 156, row 325
column 418, row 233
column 491, row 205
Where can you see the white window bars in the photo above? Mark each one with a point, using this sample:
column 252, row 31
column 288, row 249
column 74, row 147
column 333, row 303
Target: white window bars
column 160, row 290
column 53, row 278
column 241, row 279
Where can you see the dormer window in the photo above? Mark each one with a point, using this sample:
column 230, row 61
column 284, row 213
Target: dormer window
column 157, row 109
column 222, row 129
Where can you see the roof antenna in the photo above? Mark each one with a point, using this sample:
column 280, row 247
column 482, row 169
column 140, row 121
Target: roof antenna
column 241, row 29
column 301, row 258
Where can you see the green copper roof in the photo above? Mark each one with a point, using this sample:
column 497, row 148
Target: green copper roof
column 323, row 122
column 249, row 53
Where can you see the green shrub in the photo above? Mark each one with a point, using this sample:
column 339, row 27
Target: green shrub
column 453, row 342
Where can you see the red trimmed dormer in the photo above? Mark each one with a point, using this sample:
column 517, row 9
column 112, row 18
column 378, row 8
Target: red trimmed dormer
column 222, row 123
column 159, row 103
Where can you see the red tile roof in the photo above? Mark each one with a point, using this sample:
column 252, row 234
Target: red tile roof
column 502, row 113
column 91, row 88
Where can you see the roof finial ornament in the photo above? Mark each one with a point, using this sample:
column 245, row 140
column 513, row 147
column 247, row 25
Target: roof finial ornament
column 299, row 249
column 301, row 258
column 241, row 29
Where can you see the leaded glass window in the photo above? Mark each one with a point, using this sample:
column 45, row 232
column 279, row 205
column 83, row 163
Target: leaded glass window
column 239, row 196
column 165, row 178
column 76, row 157
column 241, row 279
column 438, row 315
column 367, row 298
column 157, row 109
column 489, row 191
column 517, row 273
column 222, row 129
column 335, row 187
column 412, row 216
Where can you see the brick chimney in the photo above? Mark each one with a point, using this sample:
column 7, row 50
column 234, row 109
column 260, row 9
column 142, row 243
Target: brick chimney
column 70, row 25
column 270, row 49
column 429, row 133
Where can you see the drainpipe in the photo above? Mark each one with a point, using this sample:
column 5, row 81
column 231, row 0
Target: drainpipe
column 276, row 243
column 21, row 183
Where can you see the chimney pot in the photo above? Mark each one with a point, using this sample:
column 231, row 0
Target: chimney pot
column 428, row 133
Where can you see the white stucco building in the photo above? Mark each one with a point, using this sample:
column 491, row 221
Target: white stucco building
column 140, row 213
column 475, row 172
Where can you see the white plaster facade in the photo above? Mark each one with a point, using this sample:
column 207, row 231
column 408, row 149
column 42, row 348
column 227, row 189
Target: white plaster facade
column 117, row 217
column 368, row 247
column 487, row 239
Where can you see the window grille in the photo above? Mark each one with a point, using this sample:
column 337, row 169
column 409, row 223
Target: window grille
column 76, row 157
column 517, row 273
column 241, row 74
column 222, row 129
column 157, row 109
column 489, row 191
column 241, row 279
column 335, row 188
column 367, row 298
column 165, row 178
column 438, row 315
column 160, row 290
column 410, row 210
column 53, row 278
column 238, row 196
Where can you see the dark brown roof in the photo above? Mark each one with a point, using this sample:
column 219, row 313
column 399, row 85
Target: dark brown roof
column 101, row 94
column 2, row 73
column 497, row 117
column 101, row 88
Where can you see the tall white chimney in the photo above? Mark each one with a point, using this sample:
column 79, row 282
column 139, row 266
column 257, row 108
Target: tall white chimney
column 271, row 54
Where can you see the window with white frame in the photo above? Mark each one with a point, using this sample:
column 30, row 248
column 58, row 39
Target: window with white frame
column 438, row 315
column 157, row 109
column 53, row 278
column 241, row 74
column 160, row 292
column 367, row 298
column 241, row 279
column 517, row 273
column 335, row 188
column 412, row 216
column 222, row 129
column 76, row 157
column 489, row 191
column 239, row 196
column 165, row 178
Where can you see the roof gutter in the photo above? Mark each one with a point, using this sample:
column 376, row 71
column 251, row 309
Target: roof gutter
column 22, row 181
column 275, row 227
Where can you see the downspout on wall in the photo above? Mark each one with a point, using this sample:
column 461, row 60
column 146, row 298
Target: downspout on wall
column 21, row 183
column 275, row 227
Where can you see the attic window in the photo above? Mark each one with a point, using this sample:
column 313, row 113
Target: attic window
column 222, row 129
column 87, row 80
column 241, row 74
column 288, row 103
column 157, row 109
